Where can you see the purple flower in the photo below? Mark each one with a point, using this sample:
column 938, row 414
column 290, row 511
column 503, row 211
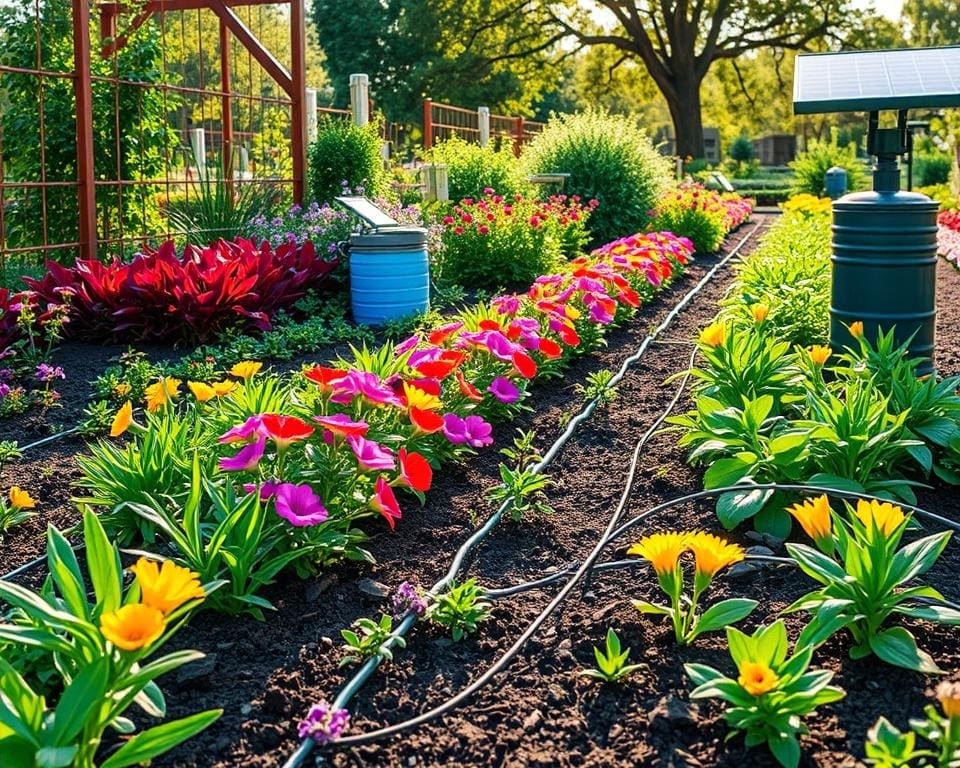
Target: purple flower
column 251, row 428
column 370, row 455
column 247, row 457
column 49, row 373
column 407, row 599
column 6, row 374
column 4, row 390
column 267, row 490
column 472, row 430
column 504, row 390
column 299, row 505
column 324, row 724
column 406, row 346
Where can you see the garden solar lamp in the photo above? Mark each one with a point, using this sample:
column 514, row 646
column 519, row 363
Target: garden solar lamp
column 885, row 240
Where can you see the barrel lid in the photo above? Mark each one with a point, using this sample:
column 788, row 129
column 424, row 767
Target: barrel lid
column 884, row 200
column 392, row 237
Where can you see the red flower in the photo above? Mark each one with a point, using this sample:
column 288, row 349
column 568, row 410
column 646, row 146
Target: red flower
column 443, row 333
column 629, row 296
column 550, row 348
column 524, row 364
column 442, row 367
column 426, row 421
column 415, row 471
column 468, row 389
column 324, row 377
column 569, row 336
column 489, row 325
column 386, row 503
column 284, row 430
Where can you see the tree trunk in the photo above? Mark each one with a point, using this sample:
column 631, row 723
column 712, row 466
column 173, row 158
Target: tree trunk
column 687, row 119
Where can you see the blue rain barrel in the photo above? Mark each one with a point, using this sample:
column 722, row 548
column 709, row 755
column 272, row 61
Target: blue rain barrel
column 389, row 274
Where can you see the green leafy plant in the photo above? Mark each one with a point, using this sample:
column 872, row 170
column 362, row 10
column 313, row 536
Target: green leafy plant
column 693, row 212
column 772, row 693
column 611, row 662
column 369, row 640
column 346, row 158
column 471, row 169
column 460, row 609
column 598, row 388
column 889, row 747
column 810, row 168
column 524, row 490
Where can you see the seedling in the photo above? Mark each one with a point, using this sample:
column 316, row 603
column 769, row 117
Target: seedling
column 612, row 662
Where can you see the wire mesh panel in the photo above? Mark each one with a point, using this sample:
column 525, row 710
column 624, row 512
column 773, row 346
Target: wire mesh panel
column 443, row 121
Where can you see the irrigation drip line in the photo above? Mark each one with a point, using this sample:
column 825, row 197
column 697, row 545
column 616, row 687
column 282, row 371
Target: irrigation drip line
column 50, row 439
column 369, row 667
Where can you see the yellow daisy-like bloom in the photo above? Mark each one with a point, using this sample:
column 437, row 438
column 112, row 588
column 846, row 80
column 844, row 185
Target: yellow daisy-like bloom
column 880, row 515
column 713, row 335
column 122, row 421
column 166, row 587
column 661, row 550
column 756, row 679
column 417, row 398
column 133, row 626
column 122, row 389
column 814, row 517
column 819, row 354
column 759, row 312
column 246, row 369
column 856, row 329
column 21, row 499
column 161, row 393
column 712, row 553
column 201, row 391
column 222, row 388
column 948, row 694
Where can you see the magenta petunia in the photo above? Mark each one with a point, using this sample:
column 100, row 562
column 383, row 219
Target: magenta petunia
column 246, row 458
column 299, row 505
column 251, row 428
column 472, row 430
column 371, row 456
column 504, row 390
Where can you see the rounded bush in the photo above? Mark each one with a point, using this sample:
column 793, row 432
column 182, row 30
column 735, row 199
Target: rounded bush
column 810, row 167
column 610, row 160
column 471, row 169
column 346, row 157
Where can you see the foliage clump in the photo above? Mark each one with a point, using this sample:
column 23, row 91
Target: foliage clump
column 346, row 156
column 471, row 168
column 811, row 166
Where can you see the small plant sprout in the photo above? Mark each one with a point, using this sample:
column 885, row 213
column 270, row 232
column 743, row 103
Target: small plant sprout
column 598, row 388
column 9, row 450
column 889, row 747
column 711, row 555
column 523, row 452
column 524, row 490
column 772, row 692
column 612, row 661
column 460, row 609
column 369, row 640
column 16, row 508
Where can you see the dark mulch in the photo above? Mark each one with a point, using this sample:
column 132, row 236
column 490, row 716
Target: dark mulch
column 540, row 712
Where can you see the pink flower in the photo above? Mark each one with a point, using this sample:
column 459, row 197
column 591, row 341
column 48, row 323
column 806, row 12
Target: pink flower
column 370, row 455
column 483, row 229
column 504, row 390
column 266, row 490
column 448, row 220
column 247, row 457
column 407, row 345
column 365, row 384
column 385, row 502
column 250, row 429
column 472, row 430
column 341, row 425
column 299, row 505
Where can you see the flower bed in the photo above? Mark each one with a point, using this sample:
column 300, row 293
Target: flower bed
column 948, row 236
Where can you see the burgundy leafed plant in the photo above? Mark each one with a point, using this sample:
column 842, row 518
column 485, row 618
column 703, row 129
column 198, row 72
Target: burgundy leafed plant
column 165, row 295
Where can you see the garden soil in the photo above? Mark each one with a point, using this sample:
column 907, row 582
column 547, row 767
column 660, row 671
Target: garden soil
column 540, row 711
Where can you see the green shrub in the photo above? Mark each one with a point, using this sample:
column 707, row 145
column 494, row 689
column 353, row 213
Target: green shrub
column 346, row 155
column 695, row 213
column 942, row 194
column 811, row 166
column 930, row 168
column 741, row 149
column 471, row 169
column 609, row 159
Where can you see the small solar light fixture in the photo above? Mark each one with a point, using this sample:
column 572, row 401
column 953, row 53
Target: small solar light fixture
column 884, row 241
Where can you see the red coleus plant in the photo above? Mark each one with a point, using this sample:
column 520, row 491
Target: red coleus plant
column 165, row 295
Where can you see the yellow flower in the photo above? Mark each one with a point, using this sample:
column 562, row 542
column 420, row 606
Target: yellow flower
column 201, row 391
column 713, row 335
column 819, row 354
column 662, row 550
column 712, row 553
column 122, row 389
column 759, row 312
column 417, row 398
column 161, row 393
column 132, row 627
column 880, row 515
column 21, row 499
column 856, row 329
column 948, row 694
column 246, row 369
column 814, row 517
column 756, row 678
column 222, row 388
column 166, row 587
column 123, row 420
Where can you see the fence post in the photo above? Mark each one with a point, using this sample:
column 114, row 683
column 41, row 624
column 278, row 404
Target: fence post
column 436, row 183
column 360, row 98
column 298, row 99
column 483, row 122
column 517, row 136
column 83, row 94
column 198, row 142
column 226, row 108
column 311, row 114
column 427, row 123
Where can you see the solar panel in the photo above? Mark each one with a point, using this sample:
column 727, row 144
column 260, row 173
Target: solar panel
column 866, row 81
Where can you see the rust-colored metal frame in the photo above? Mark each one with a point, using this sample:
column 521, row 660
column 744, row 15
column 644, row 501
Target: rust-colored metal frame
column 441, row 121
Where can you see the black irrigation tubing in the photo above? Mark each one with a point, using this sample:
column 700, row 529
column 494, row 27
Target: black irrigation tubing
column 369, row 667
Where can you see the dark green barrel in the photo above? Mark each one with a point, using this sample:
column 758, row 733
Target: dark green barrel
column 884, row 269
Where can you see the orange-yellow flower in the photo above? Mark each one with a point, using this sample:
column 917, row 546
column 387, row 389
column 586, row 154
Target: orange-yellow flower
column 21, row 499
column 419, row 399
column 133, row 626
column 122, row 421
column 161, row 393
column 814, row 517
column 819, row 354
column 713, row 335
column 880, row 515
column 201, row 391
column 756, row 678
column 661, row 550
column 712, row 553
column 856, row 329
column 246, row 369
column 222, row 388
column 759, row 312
column 948, row 694
column 166, row 587
column 122, row 389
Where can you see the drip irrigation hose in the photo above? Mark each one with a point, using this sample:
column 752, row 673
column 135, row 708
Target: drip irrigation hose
column 49, row 439
column 369, row 667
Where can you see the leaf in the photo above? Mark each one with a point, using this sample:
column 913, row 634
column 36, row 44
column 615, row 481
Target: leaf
column 159, row 739
column 103, row 563
column 816, row 564
column 724, row 472
column 734, row 507
column 55, row 757
column 79, row 700
column 896, row 646
column 916, row 558
column 785, row 749
column 644, row 607
column 723, row 614
column 940, row 614
column 773, row 521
